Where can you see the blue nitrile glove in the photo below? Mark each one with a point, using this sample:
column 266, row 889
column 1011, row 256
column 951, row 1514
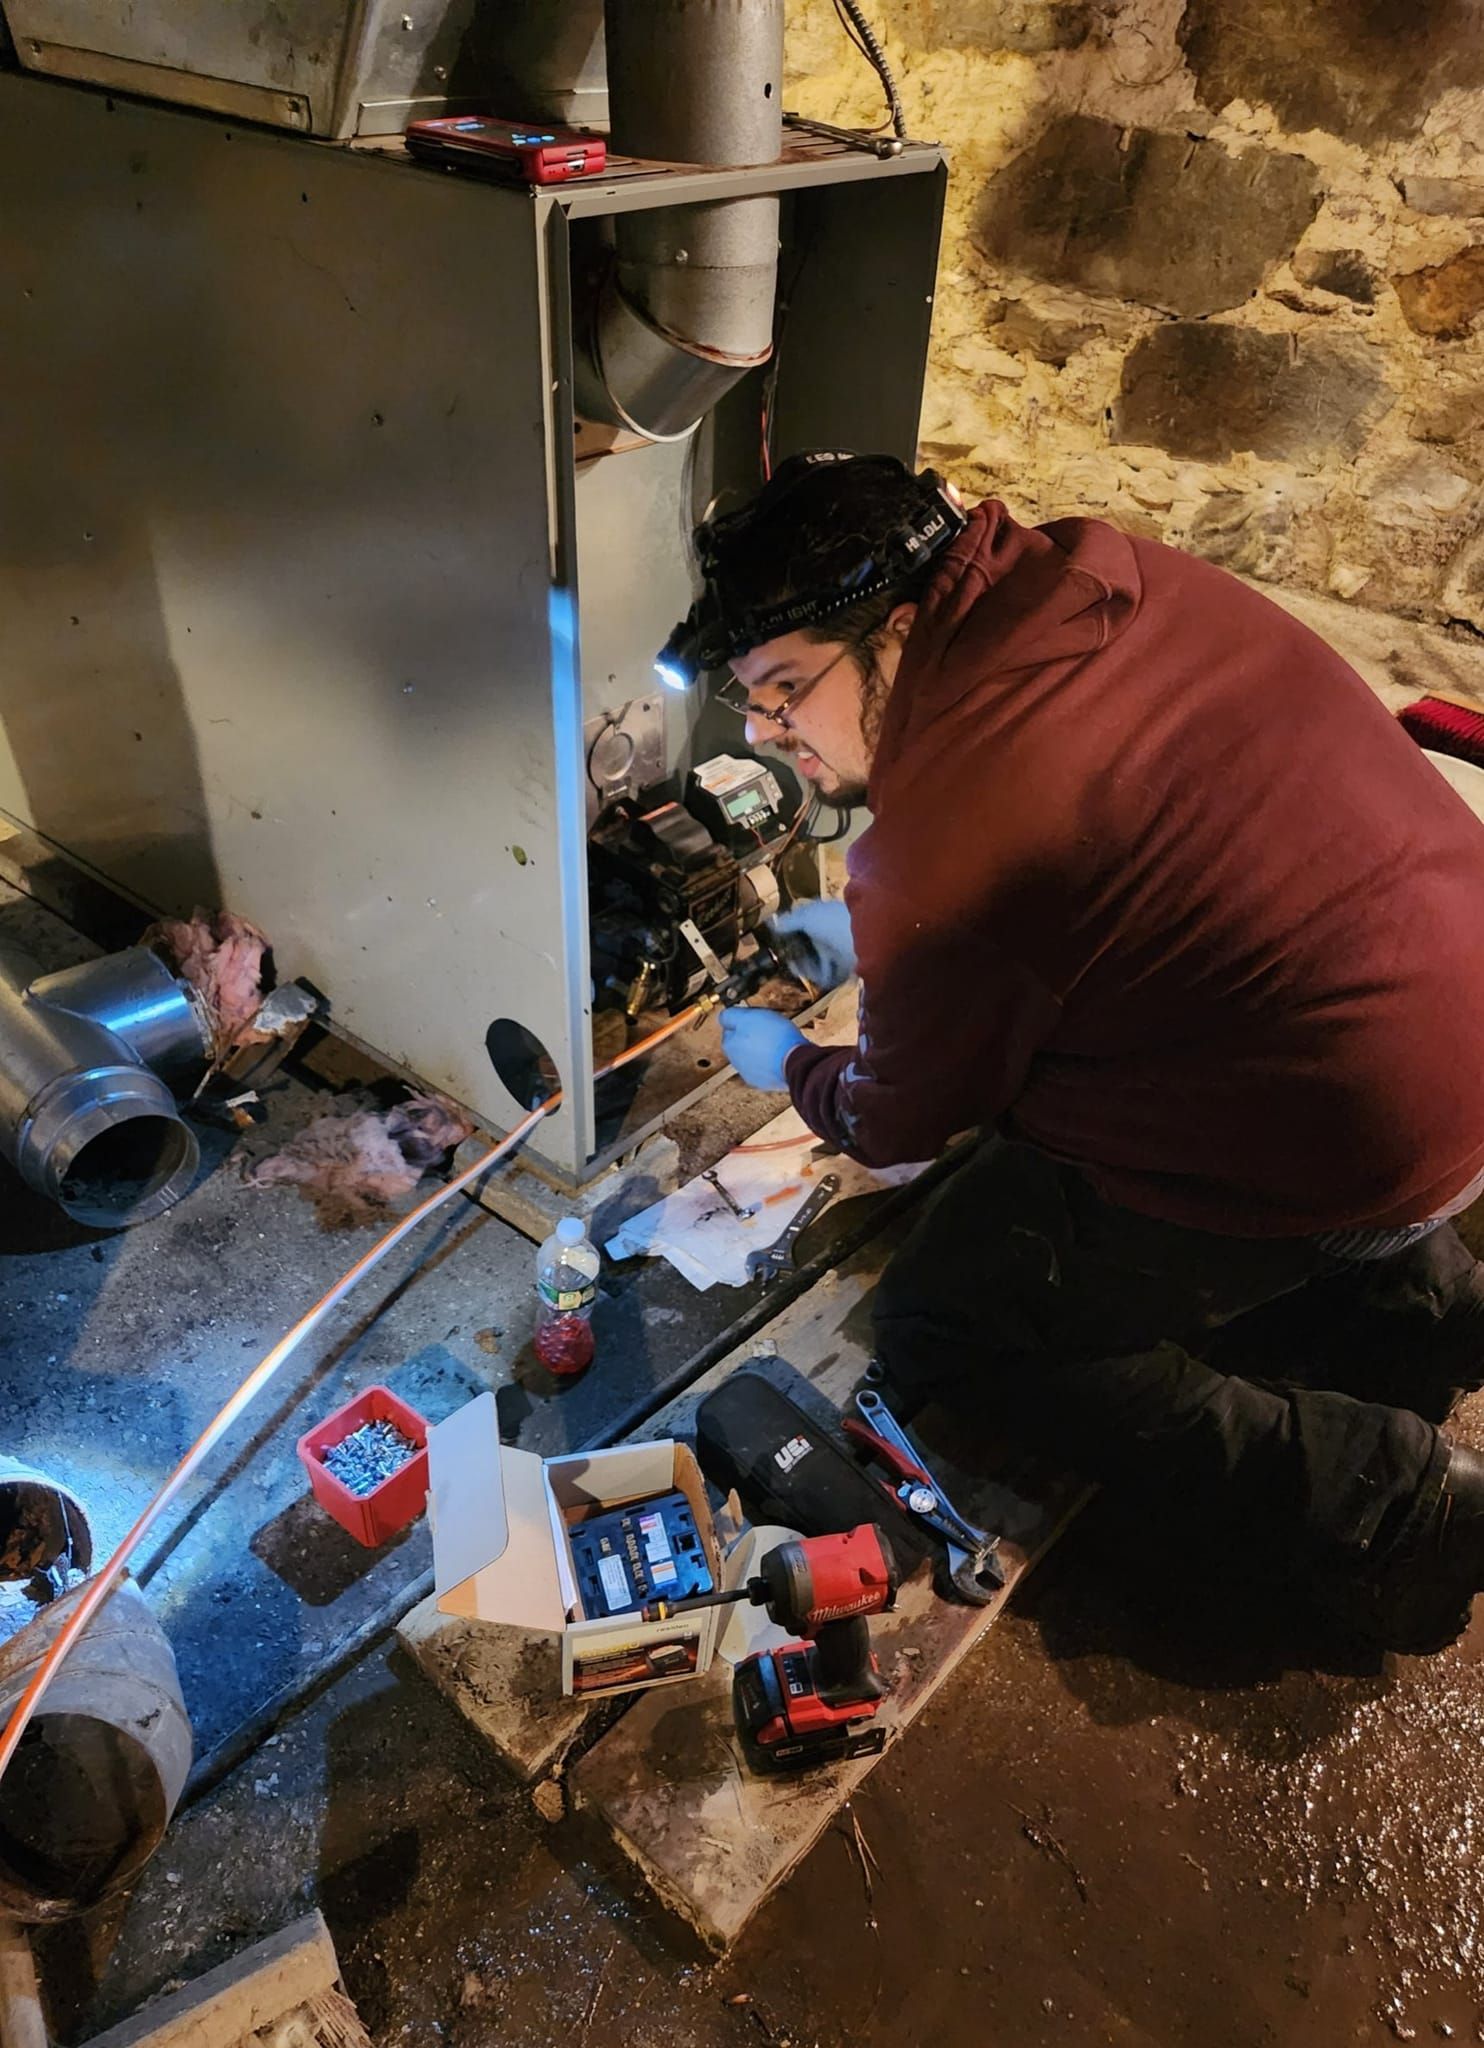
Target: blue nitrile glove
column 819, row 943
column 757, row 1042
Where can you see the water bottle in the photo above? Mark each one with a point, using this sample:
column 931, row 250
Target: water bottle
column 566, row 1288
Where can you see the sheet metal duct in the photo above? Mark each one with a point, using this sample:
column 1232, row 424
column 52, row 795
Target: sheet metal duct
column 687, row 307
column 334, row 68
column 87, row 1116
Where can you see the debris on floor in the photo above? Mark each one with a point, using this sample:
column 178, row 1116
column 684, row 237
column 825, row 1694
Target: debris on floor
column 506, row 1682
column 708, row 1232
column 354, row 1167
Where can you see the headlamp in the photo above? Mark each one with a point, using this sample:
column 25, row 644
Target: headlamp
column 712, row 633
column 699, row 642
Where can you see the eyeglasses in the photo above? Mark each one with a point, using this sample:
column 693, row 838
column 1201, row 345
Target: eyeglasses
column 733, row 694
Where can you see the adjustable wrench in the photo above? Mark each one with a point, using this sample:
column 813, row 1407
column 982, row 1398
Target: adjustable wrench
column 769, row 1264
column 973, row 1566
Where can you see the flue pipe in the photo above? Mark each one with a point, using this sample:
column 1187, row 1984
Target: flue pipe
column 87, row 1114
column 687, row 307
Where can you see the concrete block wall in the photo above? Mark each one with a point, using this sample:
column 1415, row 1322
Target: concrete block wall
column 1214, row 270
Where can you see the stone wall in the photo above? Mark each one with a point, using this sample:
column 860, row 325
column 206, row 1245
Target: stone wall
column 1213, row 269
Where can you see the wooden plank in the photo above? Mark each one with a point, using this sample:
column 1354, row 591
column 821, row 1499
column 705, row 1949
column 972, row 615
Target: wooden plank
column 238, row 1998
column 712, row 1839
column 21, row 2021
column 506, row 1682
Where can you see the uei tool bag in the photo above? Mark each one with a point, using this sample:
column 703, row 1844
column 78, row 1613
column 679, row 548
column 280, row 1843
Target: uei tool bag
column 790, row 1469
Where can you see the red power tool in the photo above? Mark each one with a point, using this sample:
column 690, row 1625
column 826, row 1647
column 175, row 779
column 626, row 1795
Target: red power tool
column 811, row 1702
column 815, row 1701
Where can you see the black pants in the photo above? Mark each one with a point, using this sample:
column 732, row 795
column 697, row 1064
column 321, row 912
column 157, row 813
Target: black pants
column 1257, row 1385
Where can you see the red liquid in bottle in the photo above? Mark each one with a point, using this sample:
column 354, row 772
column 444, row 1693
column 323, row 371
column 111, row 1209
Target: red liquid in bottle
column 564, row 1344
column 566, row 1287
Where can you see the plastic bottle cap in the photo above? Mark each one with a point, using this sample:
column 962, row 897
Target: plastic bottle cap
column 571, row 1230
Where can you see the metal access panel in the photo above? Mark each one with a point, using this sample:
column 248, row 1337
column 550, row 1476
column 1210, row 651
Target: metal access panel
column 327, row 67
column 304, row 598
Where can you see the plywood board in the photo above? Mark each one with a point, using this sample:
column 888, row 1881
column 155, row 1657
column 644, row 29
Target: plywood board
column 232, row 2004
column 712, row 1839
column 506, row 1682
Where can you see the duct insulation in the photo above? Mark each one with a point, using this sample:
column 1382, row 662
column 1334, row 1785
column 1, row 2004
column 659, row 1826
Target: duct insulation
column 687, row 306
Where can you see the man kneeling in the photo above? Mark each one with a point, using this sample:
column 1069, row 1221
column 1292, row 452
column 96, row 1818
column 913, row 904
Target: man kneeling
column 1156, row 891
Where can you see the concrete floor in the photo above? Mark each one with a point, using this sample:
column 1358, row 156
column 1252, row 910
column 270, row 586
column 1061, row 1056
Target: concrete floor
column 117, row 1348
column 1133, row 1817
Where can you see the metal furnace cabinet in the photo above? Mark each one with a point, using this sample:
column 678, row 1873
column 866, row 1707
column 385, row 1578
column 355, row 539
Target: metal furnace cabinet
column 310, row 576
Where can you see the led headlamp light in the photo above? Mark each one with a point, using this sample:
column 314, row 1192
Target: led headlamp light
column 712, row 633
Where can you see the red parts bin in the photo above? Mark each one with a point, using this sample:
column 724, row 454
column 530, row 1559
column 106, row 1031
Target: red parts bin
column 376, row 1516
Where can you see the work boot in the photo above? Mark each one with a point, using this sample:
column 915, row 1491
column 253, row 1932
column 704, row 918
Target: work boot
column 1419, row 1601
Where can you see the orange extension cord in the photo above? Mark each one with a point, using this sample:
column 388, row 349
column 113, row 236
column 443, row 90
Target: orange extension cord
column 102, row 1583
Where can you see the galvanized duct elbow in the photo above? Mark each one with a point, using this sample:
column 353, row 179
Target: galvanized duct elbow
column 87, row 1116
column 687, row 307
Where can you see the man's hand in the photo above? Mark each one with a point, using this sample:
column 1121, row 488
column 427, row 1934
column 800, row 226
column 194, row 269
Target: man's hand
column 820, row 944
column 758, row 1042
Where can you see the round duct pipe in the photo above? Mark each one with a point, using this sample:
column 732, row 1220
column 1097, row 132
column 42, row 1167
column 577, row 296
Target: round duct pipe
column 86, row 1117
column 42, row 1524
column 687, row 307
column 89, row 1794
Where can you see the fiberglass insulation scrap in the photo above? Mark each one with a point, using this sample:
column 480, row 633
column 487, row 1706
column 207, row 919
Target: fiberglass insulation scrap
column 222, row 959
column 352, row 1167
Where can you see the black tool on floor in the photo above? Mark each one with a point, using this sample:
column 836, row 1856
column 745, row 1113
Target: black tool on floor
column 648, row 1551
column 788, row 1467
column 769, row 1264
column 814, row 1700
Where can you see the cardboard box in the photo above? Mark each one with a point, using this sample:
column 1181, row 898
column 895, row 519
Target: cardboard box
column 500, row 1518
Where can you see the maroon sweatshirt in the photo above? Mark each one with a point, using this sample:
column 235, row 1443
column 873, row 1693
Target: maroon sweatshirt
column 1154, row 882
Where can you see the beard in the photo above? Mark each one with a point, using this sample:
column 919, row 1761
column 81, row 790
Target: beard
column 875, row 694
column 842, row 791
column 834, row 786
column 875, row 691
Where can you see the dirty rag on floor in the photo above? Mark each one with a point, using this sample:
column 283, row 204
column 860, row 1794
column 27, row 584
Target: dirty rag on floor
column 774, row 1173
column 354, row 1167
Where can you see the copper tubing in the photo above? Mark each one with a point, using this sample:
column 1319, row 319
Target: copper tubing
column 99, row 1587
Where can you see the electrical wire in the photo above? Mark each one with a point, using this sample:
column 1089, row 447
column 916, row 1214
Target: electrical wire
column 868, row 43
column 842, row 824
column 97, row 1589
column 782, row 303
column 612, row 722
column 851, row 31
column 808, row 808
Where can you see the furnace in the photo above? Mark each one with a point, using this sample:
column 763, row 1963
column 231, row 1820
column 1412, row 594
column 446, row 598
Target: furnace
column 351, row 498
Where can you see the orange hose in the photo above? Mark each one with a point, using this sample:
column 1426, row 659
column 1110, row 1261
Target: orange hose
column 97, row 1589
